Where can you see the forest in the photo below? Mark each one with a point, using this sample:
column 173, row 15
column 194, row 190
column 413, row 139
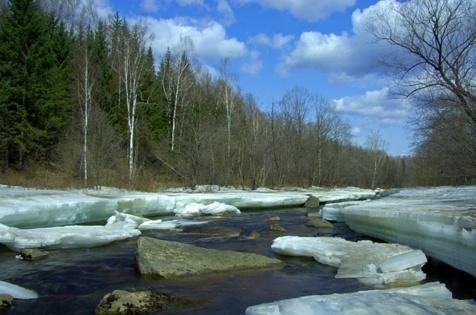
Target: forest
column 83, row 102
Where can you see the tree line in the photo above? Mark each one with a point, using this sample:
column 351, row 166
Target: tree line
column 84, row 97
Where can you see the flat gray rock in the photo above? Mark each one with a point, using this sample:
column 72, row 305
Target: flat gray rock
column 172, row 259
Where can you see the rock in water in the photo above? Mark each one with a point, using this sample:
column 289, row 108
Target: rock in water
column 5, row 301
column 319, row 223
column 312, row 202
column 31, row 254
column 172, row 259
column 314, row 214
column 276, row 227
column 121, row 302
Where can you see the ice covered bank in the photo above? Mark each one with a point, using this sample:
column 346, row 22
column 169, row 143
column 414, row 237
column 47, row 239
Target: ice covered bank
column 24, row 207
column 371, row 263
column 16, row 291
column 431, row 298
column 441, row 221
column 118, row 227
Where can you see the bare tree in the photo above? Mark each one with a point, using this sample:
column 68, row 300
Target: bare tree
column 228, row 100
column 440, row 39
column 376, row 145
column 131, row 55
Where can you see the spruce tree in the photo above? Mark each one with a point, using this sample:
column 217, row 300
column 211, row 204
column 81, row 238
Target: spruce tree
column 33, row 64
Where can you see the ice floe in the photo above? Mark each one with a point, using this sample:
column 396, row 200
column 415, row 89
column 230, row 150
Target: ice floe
column 73, row 236
column 197, row 209
column 333, row 211
column 28, row 208
column 372, row 263
column 16, row 291
column 441, row 221
column 430, row 298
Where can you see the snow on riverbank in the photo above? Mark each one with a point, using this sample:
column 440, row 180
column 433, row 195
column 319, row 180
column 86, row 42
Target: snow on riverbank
column 118, row 227
column 371, row 263
column 441, row 221
column 26, row 207
column 431, row 298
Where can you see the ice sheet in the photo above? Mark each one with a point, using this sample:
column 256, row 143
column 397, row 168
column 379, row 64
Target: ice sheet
column 74, row 236
column 197, row 209
column 441, row 221
column 27, row 208
column 431, row 298
column 361, row 260
column 16, row 291
column 333, row 211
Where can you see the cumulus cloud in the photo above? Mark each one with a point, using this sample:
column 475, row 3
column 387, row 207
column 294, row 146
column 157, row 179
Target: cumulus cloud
column 253, row 65
column 226, row 12
column 208, row 39
column 310, row 10
column 191, row 2
column 150, row 6
column 378, row 104
column 275, row 41
column 354, row 54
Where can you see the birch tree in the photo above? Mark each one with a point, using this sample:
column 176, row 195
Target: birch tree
column 131, row 59
column 227, row 98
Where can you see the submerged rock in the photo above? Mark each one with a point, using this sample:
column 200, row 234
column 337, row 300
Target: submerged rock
column 274, row 226
column 254, row 235
column 5, row 301
column 313, row 214
column 31, row 254
column 172, row 259
column 121, row 302
column 319, row 223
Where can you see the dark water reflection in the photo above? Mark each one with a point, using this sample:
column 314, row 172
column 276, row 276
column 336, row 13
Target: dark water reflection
column 74, row 281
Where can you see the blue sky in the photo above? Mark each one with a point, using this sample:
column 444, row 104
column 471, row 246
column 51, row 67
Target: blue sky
column 275, row 45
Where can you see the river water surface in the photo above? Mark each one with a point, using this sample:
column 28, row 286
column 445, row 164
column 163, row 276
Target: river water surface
column 74, row 281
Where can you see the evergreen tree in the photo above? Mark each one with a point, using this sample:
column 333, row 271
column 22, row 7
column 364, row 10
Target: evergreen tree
column 33, row 64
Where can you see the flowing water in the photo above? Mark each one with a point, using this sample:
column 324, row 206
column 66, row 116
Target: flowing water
column 74, row 281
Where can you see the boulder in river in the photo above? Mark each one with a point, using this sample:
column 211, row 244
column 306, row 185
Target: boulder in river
column 319, row 223
column 312, row 202
column 5, row 301
column 121, row 302
column 31, row 254
column 172, row 259
column 276, row 227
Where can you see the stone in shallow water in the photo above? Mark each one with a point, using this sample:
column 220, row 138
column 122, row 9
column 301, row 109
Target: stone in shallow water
column 30, row 254
column 121, row 302
column 312, row 202
column 276, row 227
column 172, row 259
column 5, row 301
column 431, row 298
column 319, row 223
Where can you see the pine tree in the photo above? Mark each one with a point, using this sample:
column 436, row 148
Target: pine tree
column 33, row 65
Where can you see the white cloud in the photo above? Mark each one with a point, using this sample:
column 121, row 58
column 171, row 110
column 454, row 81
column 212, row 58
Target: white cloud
column 191, row 2
column 276, row 41
column 356, row 131
column 353, row 54
column 253, row 65
column 377, row 104
column 226, row 12
column 310, row 10
column 150, row 6
column 208, row 39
